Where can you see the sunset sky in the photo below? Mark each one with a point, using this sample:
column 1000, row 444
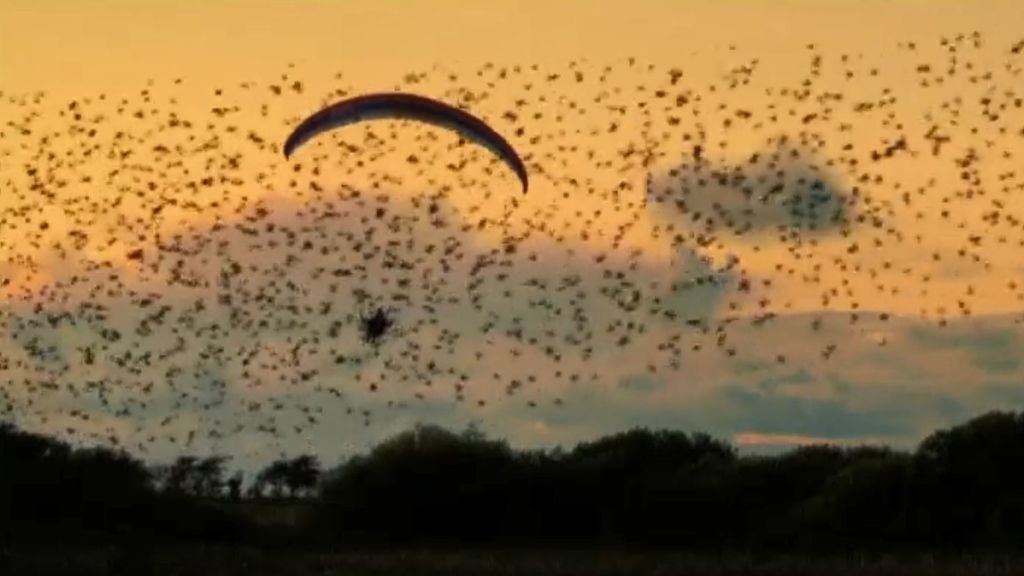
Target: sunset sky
column 902, row 316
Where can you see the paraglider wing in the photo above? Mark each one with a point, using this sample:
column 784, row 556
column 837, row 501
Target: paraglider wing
column 406, row 106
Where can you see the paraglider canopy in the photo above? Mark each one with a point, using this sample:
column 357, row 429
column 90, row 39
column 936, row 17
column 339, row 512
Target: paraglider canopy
column 406, row 106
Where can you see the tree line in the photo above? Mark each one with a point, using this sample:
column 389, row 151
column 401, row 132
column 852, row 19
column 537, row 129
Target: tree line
column 961, row 488
column 207, row 478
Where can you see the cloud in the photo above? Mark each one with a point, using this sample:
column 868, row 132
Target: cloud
column 231, row 373
column 780, row 186
column 754, row 439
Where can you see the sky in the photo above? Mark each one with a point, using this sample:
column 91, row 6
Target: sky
column 778, row 222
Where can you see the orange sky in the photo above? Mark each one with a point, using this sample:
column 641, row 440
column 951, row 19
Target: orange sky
column 72, row 50
column 119, row 46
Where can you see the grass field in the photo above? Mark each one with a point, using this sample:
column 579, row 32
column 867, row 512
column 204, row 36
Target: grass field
column 224, row 561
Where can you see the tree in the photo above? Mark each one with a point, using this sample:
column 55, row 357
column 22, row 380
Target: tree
column 43, row 480
column 209, row 476
column 969, row 480
column 275, row 476
column 301, row 474
column 297, row 475
column 189, row 475
column 427, row 483
column 864, row 502
column 234, row 485
column 177, row 477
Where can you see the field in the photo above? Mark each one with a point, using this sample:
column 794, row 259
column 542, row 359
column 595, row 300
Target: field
column 224, row 561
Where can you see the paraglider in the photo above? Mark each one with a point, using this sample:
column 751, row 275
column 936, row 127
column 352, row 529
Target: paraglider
column 406, row 106
column 376, row 325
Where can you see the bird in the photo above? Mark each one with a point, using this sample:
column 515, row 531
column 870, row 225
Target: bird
column 162, row 259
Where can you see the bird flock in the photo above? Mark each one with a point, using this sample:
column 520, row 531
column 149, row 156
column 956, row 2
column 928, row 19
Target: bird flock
column 167, row 277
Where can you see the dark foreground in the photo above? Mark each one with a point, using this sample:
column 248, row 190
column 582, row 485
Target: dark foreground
column 224, row 561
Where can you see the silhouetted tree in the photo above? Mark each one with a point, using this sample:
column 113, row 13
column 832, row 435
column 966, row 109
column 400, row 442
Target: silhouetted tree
column 43, row 481
column 301, row 474
column 209, row 476
column 234, row 485
column 863, row 503
column 275, row 476
column 424, row 484
column 969, row 481
column 178, row 478
column 193, row 476
column 962, row 487
column 32, row 483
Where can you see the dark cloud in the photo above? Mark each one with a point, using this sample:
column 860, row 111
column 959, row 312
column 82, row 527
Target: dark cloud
column 1003, row 395
column 747, row 410
column 781, row 186
column 798, row 377
column 995, row 350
